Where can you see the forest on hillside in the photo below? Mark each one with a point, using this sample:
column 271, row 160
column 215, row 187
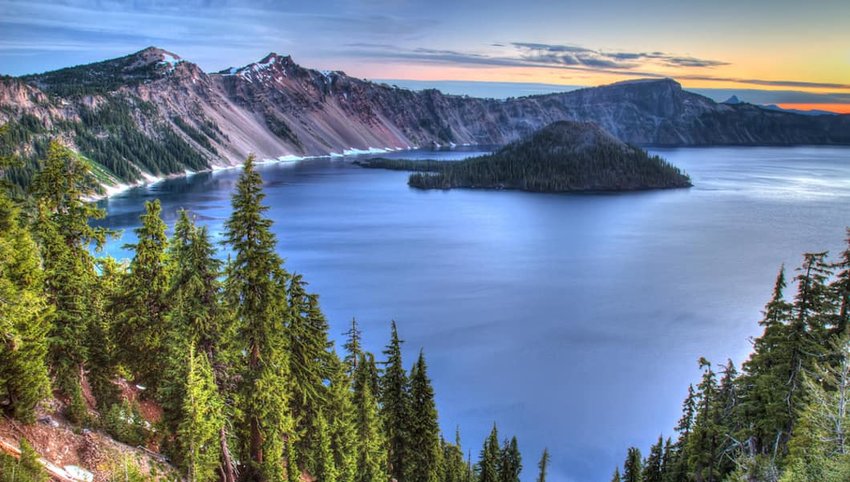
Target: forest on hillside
column 784, row 416
column 235, row 354
column 562, row 157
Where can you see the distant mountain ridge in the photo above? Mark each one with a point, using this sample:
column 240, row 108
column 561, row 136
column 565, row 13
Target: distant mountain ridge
column 151, row 114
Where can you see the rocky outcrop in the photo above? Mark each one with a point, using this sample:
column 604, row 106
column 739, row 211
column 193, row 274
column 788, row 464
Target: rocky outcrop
column 277, row 108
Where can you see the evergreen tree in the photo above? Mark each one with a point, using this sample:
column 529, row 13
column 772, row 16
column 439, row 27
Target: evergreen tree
column 23, row 318
column 310, row 365
column 821, row 442
column 395, row 407
column 763, row 403
column 371, row 449
column 488, row 463
column 63, row 232
column 543, row 466
column 143, row 301
column 653, row 468
column 510, row 465
column 341, row 417
column 616, row 477
column 201, row 420
column 323, row 463
column 704, row 445
column 455, row 468
column 424, row 430
column 255, row 288
column 680, row 453
column 668, row 461
column 352, row 347
column 194, row 289
column 102, row 346
column 633, row 469
column 841, row 286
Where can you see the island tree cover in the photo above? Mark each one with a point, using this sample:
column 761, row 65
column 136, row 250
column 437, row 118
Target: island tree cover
column 562, row 157
column 784, row 417
column 237, row 353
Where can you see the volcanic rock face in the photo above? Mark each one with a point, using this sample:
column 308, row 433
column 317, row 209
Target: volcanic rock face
column 276, row 108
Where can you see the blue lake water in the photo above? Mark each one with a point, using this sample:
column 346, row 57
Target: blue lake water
column 574, row 321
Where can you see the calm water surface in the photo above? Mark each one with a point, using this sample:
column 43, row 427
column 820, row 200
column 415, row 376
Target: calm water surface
column 575, row 321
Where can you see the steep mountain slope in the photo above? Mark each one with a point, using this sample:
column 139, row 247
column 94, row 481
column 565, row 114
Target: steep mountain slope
column 153, row 114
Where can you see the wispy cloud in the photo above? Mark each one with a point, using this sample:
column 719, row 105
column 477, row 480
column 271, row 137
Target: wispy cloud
column 575, row 58
column 577, row 55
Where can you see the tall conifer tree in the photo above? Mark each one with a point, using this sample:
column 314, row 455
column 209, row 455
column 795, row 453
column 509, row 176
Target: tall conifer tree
column 422, row 463
column 24, row 315
column 255, row 289
column 143, row 303
column 395, row 406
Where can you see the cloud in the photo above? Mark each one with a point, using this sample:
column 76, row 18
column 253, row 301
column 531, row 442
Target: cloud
column 573, row 58
column 576, row 55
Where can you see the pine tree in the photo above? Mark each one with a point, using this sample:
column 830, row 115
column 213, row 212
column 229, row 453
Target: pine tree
column 822, row 438
column 681, row 454
column 424, row 430
column 841, row 286
column 704, row 445
column 310, row 365
column 510, row 465
column 102, row 347
column 64, row 236
column 653, row 468
column 633, row 469
column 763, row 404
column 194, row 288
column 323, row 463
column 454, row 466
column 352, row 347
column 728, row 419
column 395, row 407
column 255, row 289
column 202, row 415
column 543, row 466
column 371, row 449
column 23, row 318
column 341, row 419
column 488, row 463
column 616, row 477
column 143, row 302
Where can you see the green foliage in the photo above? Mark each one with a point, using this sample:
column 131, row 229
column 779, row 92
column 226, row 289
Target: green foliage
column 543, row 466
column 124, row 422
column 422, row 464
column 25, row 469
column 255, row 288
column 202, row 417
column 371, row 446
column 490, row 458
column 558, row 158
column 24, row 316
column 633, row 467
column 64, row 234
column 785, row 416
column 143, row 303
column 510, row 464
column 395, row 406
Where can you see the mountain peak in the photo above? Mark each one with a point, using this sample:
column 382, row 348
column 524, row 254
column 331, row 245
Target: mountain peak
column 734, row 100
column 274, row 57
column 152, row 55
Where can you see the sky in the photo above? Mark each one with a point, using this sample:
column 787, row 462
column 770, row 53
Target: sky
column 792, row 53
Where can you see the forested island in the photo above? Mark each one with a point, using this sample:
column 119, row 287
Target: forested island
column 204, row 370
column 562, row 157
